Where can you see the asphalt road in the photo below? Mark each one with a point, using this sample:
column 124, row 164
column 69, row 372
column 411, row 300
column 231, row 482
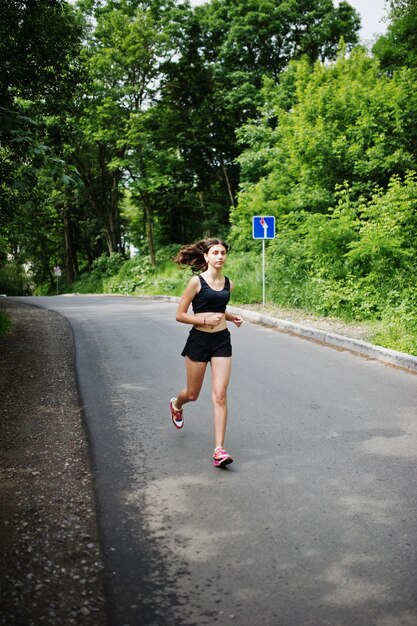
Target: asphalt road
column 315, row 522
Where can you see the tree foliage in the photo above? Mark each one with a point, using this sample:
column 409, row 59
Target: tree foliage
column 153, row 123
column 39, row 46
column 333, row 157
column 398, row 47
column 324, row 126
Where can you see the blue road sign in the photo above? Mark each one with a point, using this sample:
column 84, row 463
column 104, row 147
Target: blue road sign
column 263, row 227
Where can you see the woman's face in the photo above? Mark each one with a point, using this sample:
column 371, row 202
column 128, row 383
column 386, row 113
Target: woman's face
column 216, row 256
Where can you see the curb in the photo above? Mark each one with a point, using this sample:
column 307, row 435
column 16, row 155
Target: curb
column 399, row 359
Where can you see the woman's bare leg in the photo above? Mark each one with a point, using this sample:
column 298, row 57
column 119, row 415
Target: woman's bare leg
column 195, row 377
column 220, row 369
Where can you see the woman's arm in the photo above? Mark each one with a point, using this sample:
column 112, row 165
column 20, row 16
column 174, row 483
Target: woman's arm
column 231, row 317
column 236, row 319
column 184, row 304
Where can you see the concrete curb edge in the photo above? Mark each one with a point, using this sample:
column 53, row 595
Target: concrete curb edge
column 400, row 359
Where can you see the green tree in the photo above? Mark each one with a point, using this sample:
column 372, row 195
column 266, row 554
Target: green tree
column 39, row 47
column 128, row 48
column 249, row 40
column 343, row 122
column 39, row 44
column 398, row 47
column 212, row 87
column 198, row 119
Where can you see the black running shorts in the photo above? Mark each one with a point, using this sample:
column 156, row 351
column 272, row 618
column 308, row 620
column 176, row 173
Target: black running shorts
column 201, row 346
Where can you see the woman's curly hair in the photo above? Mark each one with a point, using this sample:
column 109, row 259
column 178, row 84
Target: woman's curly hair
column 192, row 255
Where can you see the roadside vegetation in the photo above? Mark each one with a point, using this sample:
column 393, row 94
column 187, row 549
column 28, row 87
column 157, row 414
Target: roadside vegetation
column 5, row 323
column 287, row 291
column 164, row 123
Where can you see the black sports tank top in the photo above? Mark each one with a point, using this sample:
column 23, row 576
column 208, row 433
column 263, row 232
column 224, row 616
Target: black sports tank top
column 208, row 300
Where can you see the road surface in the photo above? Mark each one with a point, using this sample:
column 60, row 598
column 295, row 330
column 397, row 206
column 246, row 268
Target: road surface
column 315, row 522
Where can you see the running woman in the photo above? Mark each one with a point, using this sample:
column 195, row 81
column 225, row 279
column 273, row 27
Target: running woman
column 209, row 338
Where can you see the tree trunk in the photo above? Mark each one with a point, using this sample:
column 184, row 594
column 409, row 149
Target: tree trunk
column 202, row 197
column 104, row 198
column 149, row 229
column 45, row 260
column 69, row 246
column 229, row 188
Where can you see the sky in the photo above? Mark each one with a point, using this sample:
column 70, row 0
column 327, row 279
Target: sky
column 371, row 12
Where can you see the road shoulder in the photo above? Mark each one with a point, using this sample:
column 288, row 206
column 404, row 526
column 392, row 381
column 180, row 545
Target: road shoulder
column 51, row 568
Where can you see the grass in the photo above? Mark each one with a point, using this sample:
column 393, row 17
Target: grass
column 289, row 295
column 5, row 323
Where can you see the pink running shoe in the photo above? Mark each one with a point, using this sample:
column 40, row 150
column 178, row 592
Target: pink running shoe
column 221, row 457
column 176, row 415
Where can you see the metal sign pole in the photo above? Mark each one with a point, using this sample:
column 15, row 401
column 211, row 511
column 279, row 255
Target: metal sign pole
column 57, row 273
column 263, row 227
column 263, row 273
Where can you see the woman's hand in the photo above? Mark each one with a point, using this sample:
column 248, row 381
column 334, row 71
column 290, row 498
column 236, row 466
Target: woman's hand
column 237, row 320
column 213, row 319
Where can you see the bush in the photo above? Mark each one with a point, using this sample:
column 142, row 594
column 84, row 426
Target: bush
column 13, row 280
column 5, row 323
column 102, row 269
column 300, row 273
column 399, row 328
column 106, row 265
column 245, row 269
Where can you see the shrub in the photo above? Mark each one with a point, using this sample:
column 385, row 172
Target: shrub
column 13, row 280
column 5, row 323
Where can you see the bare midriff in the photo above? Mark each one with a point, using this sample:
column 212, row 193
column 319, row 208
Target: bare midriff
column 209, row 328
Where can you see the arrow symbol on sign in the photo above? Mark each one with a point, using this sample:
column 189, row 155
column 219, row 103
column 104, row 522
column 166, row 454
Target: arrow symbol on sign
column 264, row 226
